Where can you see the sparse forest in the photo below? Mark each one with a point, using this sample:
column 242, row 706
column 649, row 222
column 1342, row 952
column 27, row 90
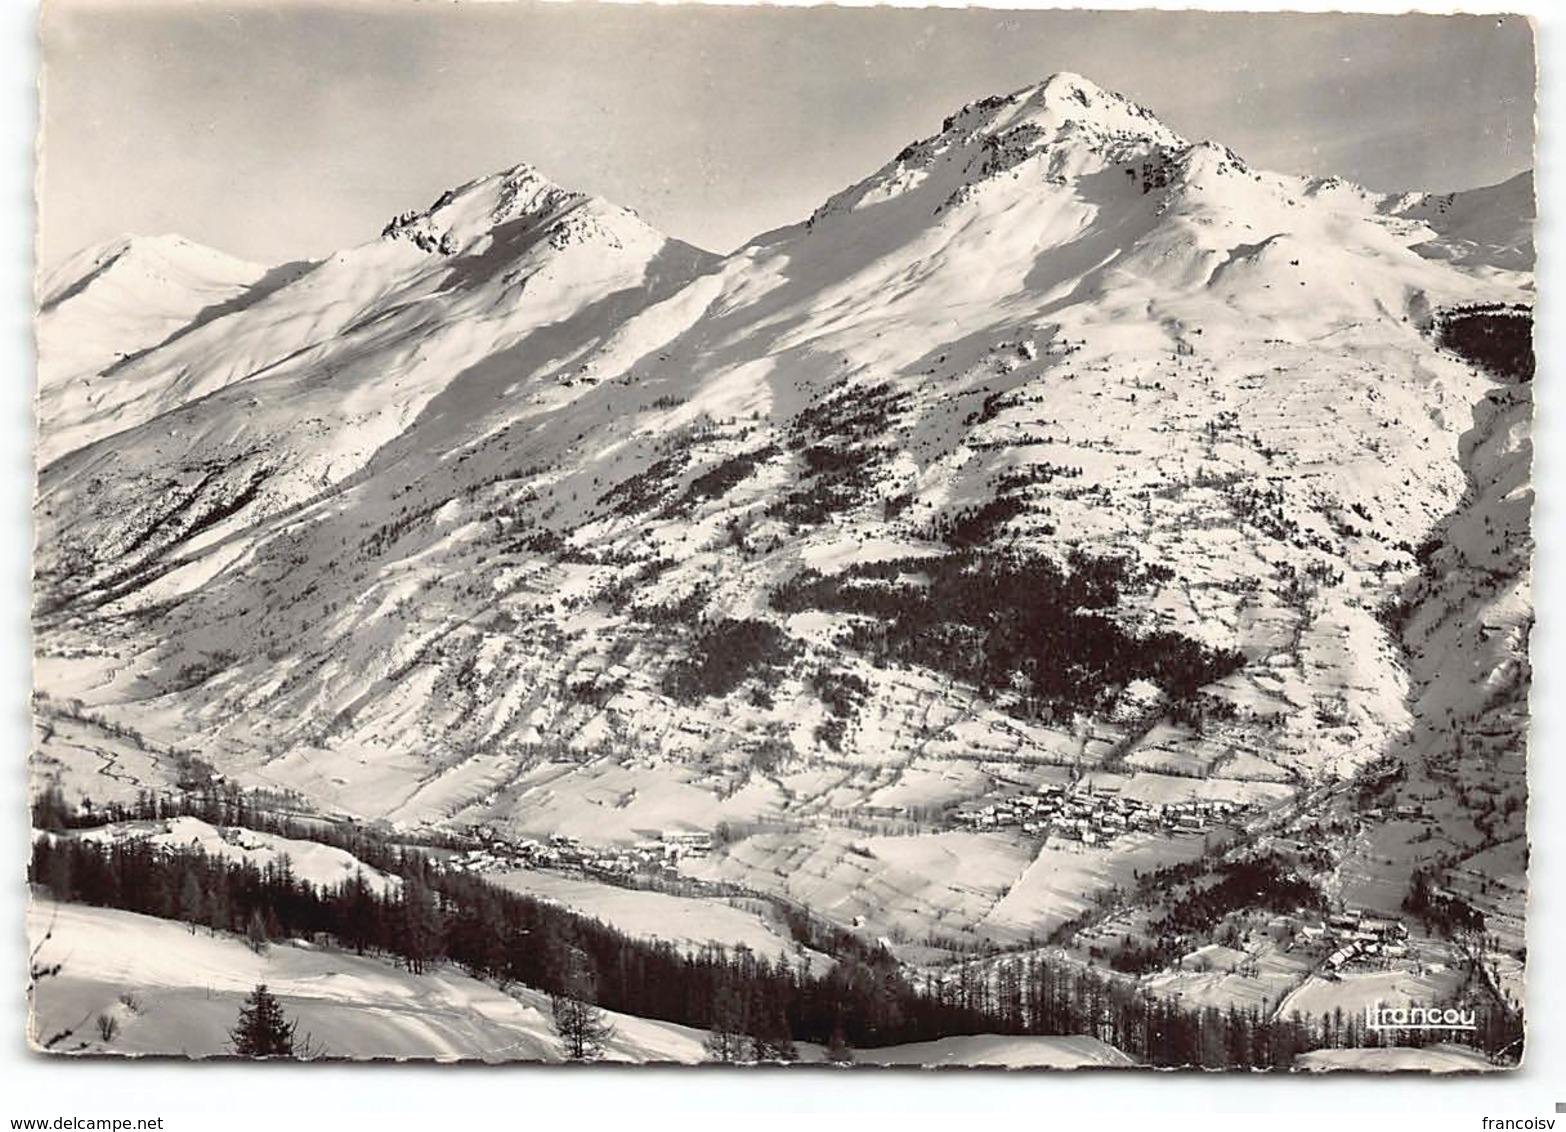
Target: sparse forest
column 1010, row 624
column 756, row 1009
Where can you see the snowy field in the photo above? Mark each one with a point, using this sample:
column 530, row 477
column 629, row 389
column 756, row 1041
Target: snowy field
column 172, row 991
column 901, row 889
column 1353, row 992
column 1076, row 1052
column 688, row 922
column 1429, row 1059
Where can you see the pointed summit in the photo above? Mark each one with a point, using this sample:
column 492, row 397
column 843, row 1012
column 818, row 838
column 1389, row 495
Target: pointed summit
column 1071, row 84
column 1053, row 132
column 515, row 209
column 1064, row 102
column 464, row 215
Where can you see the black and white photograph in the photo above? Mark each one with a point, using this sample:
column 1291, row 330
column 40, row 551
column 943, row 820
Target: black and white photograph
column 822, row 537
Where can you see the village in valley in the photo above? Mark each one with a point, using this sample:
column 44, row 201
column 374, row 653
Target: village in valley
column 1096, row 814
column 658, row 856
column 1281, row 953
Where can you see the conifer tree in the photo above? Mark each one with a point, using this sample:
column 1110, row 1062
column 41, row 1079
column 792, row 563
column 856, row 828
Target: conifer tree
column 263, row 1030
column 421, row 923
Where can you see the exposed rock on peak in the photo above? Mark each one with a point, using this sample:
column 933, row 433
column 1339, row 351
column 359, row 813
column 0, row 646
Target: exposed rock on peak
column 1061, row 129
column 1068, row 103
column 463, row 219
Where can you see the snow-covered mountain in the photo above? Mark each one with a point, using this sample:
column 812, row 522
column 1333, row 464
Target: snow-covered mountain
column 154, row 284
column 472, row 257
column 1488, row 227
column 524, row 516
column 110, row 303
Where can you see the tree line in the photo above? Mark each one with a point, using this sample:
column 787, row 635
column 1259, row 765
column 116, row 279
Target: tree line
column 435, row 915
column 755, row 1007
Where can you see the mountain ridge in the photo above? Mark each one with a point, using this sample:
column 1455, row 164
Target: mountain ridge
column 526, row 518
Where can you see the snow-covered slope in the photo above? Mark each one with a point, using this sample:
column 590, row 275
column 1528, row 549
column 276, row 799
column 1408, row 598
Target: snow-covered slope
column 124, row 296
column 996, row 1051
column 106, row 305
column 1430, row 1059
column 499, row 255
column 1488, row 227
column 449, row 529
column 1482, row 230
column 171, row 991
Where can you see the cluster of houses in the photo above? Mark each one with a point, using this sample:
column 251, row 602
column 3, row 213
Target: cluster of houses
column 1094, row 815
column 1401, row 813
column 659, row 855
column 1354, row 936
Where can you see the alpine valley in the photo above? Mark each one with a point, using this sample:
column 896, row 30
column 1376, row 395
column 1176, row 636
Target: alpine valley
column 1073, row 577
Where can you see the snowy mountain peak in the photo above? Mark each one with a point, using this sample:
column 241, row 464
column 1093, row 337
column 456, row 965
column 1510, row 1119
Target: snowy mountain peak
column 470, row 212
column 165, row 259
column 1053, row 132
column 1069, row 84
column 1064, row 103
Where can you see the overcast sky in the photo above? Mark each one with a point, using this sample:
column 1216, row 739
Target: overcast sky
column 281, row 131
